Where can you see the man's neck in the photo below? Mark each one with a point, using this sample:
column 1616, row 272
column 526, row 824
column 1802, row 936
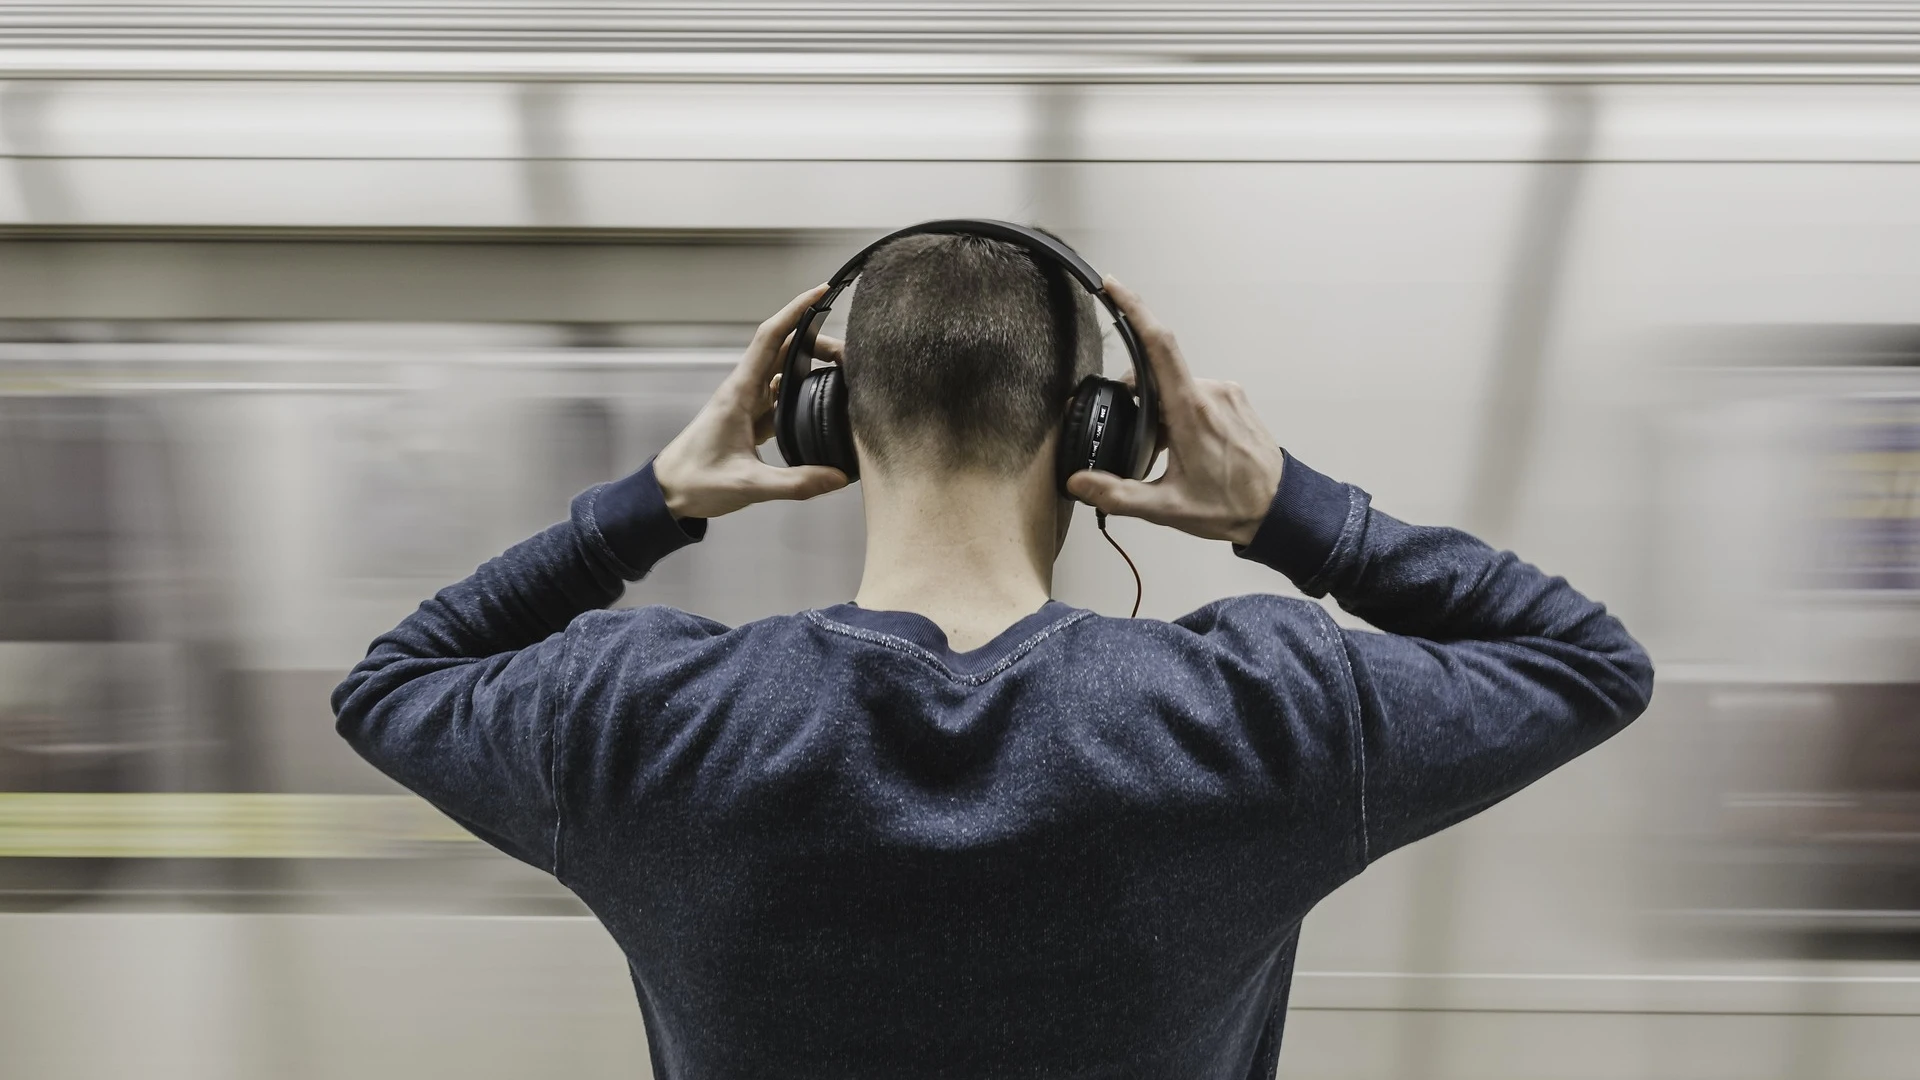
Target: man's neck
column 973, row 553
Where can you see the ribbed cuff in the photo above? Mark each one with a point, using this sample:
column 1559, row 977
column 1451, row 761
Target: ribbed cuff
column 1303, row 523
column 633, row 521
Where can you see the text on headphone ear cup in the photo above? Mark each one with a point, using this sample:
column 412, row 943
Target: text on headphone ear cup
column 1115, row 433
column 1098, row 430
column 1075, row 432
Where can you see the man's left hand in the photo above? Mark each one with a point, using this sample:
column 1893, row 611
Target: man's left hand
column 710, row 468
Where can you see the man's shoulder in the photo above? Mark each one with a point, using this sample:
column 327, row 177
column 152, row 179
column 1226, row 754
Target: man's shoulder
column 1269, row 632
column 658, row 625
column 1264, row 613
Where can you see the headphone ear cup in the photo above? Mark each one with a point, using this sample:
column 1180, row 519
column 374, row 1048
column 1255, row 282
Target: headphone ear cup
column 1098, row 430
column 820, row 423
column 1116, row 449
column 1076, row 432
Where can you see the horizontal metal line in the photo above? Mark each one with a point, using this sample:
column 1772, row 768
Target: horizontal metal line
column 1869, row 914
column 1609, row 977
column 1011, row 161
column 1531, row 77
column 1186, row 34
column 926, row 67
column 501, row 235
column 291, row 916
column 1119, row 19
column 162, row 386
column 44, row 384
column 1596, row 1011
column 1170, row 28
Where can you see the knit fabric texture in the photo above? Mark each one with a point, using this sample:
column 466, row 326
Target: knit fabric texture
column 831, row 846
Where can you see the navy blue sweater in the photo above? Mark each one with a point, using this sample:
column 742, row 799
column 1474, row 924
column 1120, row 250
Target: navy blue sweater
column 832, row 847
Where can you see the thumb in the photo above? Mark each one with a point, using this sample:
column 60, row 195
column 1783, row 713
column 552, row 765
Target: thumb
column 797, row 481
column 1116, row 495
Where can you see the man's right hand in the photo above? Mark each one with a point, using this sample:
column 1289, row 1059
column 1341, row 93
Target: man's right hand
column 1223, row 468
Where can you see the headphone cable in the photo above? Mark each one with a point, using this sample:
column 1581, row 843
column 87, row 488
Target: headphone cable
column 1100, row 519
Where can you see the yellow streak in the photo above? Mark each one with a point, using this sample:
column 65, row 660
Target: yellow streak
column 215, row 825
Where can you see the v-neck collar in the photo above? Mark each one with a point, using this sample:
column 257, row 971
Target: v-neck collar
column 923, row 634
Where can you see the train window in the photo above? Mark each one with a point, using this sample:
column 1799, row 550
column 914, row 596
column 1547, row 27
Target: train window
column 206, row 532
column 405, row 477
column 55, row 562
column 1798, row 453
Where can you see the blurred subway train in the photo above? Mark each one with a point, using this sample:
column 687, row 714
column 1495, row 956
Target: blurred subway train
column 306, row 312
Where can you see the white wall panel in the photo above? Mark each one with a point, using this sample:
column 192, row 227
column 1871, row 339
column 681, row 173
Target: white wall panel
column 413, row 120
column 800, row 122
column 1759, row 123
column 260, row 119
column 1312, row 123
column 429, row 194
column 795, row 195
column 768, row 155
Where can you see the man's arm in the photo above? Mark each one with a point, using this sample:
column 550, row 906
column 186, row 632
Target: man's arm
column 1490, row 673
column 457, row 702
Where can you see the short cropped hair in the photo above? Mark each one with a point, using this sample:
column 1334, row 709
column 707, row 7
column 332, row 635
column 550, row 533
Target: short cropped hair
column 961, row 353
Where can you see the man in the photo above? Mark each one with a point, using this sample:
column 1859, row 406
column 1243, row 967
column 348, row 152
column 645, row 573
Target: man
column 956, row 828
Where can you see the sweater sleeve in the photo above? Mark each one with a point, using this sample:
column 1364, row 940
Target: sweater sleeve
column 456, row 702
column 1489, row 673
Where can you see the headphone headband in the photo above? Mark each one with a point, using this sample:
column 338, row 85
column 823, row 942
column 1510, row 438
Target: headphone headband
column 799, row 358
column 1019, row 235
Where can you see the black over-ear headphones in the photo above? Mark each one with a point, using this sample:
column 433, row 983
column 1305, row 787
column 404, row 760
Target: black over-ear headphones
column 1105, row 428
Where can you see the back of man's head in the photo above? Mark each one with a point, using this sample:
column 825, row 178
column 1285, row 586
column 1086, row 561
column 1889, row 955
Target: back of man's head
column 961, row 353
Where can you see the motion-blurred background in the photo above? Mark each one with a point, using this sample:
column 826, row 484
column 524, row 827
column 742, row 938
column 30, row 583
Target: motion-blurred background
column 307, row 309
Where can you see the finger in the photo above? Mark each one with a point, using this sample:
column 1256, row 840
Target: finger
column 796, row 481
column 830, row 349
column 1170, row 374
column 763, row 410
column 1159, row 430
column 767, row 349
column 1117, row 495
column 781, row 323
